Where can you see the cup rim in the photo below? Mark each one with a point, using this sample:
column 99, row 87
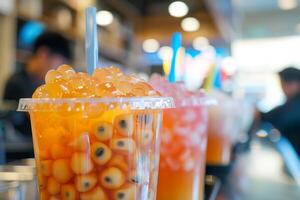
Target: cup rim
column 134, row 103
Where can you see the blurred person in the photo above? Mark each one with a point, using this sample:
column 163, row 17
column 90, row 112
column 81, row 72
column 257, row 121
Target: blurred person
column 49, row 51
column 286, row 117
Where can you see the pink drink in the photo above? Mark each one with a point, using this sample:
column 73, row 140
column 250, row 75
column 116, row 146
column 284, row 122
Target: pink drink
column 183, row 143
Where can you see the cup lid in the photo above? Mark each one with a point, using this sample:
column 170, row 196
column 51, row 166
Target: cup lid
column 195, row 101
column 133, row 103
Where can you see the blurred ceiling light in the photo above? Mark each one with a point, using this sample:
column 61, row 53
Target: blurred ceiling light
column 150, row 45
column 200, row 43
column 190, row 24
column 104, row 18
column 287, row 4
column 178, row 9
column 165, row 52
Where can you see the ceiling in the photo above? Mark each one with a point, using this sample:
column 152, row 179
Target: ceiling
column 152, row 7
column 151, row 18
column 254, row 19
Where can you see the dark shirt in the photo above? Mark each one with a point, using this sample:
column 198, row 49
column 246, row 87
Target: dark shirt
column 20, row 85
column 286, row 118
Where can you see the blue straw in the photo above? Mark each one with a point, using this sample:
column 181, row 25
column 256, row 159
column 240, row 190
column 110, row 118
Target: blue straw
column 91, row 42
column 176, row 44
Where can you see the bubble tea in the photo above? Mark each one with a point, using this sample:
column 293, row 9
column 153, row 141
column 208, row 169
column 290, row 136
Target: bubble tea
column 183, row 144
column 95, row 137
column 221, row 129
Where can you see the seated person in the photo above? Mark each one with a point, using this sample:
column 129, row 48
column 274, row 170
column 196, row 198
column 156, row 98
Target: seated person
column 49, row 50
column 286, row 117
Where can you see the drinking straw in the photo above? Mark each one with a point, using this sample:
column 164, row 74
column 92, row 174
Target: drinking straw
column 210, row 78
column 176, row 44
column 91, row 41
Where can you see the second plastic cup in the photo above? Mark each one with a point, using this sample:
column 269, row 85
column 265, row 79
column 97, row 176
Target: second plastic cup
column 183, row 149
column 183, row 143
column 96, row 148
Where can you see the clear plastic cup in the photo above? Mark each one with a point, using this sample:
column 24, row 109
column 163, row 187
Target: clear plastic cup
column 183, row 150
column 105, row 148
column 221, row 130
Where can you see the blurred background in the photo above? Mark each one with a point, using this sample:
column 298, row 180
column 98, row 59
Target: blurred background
column 236, row 47
column 250, row 39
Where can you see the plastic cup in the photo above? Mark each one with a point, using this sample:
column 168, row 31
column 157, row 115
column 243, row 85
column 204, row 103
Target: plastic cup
column 104, row 148
column 221, row 131
column 183, row 150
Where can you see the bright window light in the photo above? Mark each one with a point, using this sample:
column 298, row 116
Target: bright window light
column 200, row 43
column 190, row 24
column 178, row 9
column 287, row 4
column 150, row 45
column 104, row 18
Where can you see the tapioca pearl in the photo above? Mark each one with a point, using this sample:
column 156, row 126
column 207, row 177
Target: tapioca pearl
column 96, row 194
column 46, row 167
column 68, row 192
column 102, row 74
column 102, row 131
column 82, row 143
column 66, row 71
column 125, row 193
column 59, row 151
column 85, row 183
column 124, row 124
column 53, row 76
column 81, row 163
column 118, row 161
column 53, row 186
column 101, row 153
column 125, row 145
column 62, row 171
column 112, row 178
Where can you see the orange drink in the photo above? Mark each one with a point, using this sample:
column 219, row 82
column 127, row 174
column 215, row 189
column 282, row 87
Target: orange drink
column 94, row 137
column 221, row 130
column 183, row 144
column 218, row 149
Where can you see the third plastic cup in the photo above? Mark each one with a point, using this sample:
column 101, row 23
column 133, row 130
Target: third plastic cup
column 105, row 148
column 221, row 130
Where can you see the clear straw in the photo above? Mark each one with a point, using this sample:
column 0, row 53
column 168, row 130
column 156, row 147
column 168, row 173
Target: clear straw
column 91, row 41
column 176, row 44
